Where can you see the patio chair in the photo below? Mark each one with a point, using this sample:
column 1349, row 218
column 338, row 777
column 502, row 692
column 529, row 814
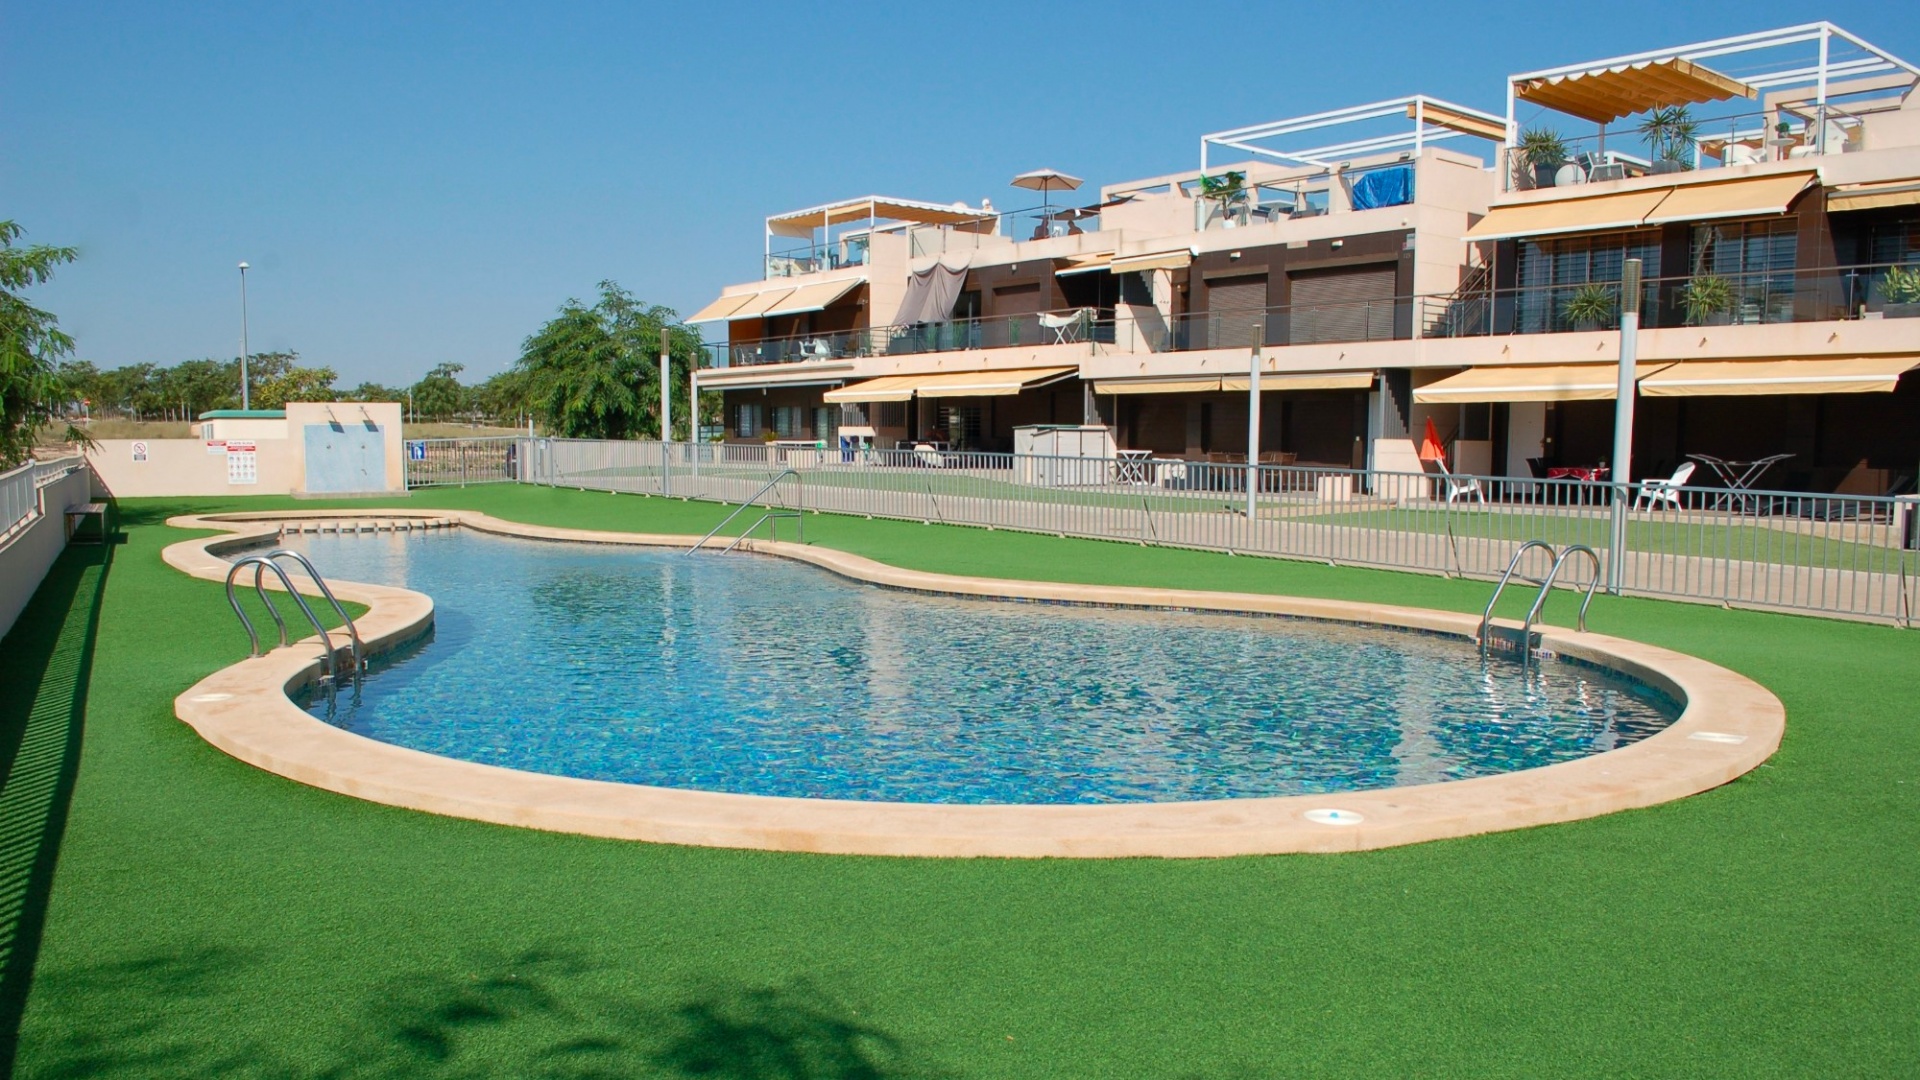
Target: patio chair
column 1458, row 487
column 928, row 456
column 1664, row 492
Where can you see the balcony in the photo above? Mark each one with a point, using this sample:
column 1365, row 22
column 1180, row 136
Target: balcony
column 1389, row 319
column 1068, row 327
column 1744, row 299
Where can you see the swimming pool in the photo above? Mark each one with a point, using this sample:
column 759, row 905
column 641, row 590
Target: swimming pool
column 756, row 675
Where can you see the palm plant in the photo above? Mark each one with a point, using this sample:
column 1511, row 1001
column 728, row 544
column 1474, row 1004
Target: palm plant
column 1901, row 285
column 1671, row 133
column 1706, row 296
column 1591, row 305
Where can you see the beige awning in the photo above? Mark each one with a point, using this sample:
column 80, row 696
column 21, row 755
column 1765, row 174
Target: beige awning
column 1607, row 94
column 801, row 223
column 815, row 296
column 1873, row 196
column 721, row 308
column 1621, row 210
column 1081, row 264
column 1541, row 382
column 1715, row 378
column 1159, row 260
column 1454, row 120
column 950, row 384
column 1155, row 386
column 1274, row 381
column 761, row 301
column 1731, row 198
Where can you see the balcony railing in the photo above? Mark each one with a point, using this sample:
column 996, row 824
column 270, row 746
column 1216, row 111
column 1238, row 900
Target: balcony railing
column 1748, row 138
column 1292, row 324
column 1069, row 327
column 1017, row 226
column 1706, row 299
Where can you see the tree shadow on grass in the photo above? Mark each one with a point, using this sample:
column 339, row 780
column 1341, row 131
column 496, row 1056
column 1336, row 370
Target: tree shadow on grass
column 46, row 662
column 539, row 1014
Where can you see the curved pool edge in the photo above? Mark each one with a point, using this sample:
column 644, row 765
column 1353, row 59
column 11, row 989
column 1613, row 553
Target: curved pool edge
column 1730, row 724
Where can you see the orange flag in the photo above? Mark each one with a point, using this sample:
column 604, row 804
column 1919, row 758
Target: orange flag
column 1430, row 448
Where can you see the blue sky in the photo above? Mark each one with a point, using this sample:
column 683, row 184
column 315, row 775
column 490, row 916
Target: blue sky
column 418, row 183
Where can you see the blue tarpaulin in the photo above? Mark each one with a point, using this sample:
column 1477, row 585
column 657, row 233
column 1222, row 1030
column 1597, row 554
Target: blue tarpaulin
column 1383, row 187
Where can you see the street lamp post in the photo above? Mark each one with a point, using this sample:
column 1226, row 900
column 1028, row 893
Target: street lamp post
column 1623, row 424
column 246, row 398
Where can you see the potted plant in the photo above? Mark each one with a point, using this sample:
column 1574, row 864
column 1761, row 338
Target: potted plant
column 1670, row 133
column 1901, row 290
column 1590, row 307
column 1544, row 151
column 1708, row 300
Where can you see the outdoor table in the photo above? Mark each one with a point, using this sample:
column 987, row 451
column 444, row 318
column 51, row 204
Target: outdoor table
column 1590, row 474
column 1739, row 477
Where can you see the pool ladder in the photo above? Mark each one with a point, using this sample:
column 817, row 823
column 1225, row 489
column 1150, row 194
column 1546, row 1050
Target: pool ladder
column 1560, row 557
column 330, row 659
column 798, row 514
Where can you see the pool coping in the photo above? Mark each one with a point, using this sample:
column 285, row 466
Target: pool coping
column 1730, row 724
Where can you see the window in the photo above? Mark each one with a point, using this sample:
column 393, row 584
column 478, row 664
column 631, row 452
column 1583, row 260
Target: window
column 746, row 420
column 963, row 426
column 1756, row 260
column 1552, row 270
column 826, row 423
column 890, row 414
column 788, row 421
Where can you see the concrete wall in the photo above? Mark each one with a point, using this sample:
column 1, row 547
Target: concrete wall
column 186, row 467
column 25, row 559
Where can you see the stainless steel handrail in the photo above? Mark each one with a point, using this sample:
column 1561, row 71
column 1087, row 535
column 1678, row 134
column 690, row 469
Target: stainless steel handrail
column 749, row 501
column 253, row 638
column 1486, row 617
column 353, row 632
column 1546, row 586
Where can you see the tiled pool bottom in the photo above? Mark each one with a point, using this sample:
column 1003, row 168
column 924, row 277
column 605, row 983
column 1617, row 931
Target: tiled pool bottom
column 761, row 676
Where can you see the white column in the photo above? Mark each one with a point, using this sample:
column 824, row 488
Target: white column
column 1253, row 427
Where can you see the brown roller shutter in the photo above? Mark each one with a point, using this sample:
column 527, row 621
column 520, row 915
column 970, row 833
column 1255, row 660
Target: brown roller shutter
column 1341, row 305
column 1234, row 304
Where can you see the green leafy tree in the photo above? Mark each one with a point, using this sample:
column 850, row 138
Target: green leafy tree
column 592, row 372
column 438, row 395
column 31, row 345
column 373, row 391
column 294, row 384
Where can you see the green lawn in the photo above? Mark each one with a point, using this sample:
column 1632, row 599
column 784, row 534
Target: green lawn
column 170, row 912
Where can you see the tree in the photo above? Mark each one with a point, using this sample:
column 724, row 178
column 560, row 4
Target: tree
column 31, row 343
column 373, row 391
column 592, row 372
column 439, row 395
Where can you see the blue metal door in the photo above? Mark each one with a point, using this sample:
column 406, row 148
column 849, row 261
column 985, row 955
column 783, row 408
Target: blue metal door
column 351, row 458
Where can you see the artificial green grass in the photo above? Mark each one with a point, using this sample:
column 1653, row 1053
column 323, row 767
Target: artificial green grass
column 207, row 918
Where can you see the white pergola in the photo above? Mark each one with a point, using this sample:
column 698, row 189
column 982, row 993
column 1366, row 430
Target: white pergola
column 1431, row 121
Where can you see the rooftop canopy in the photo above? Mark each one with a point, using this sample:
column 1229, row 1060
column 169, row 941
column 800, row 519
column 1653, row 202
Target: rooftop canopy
column 1608, row 94
column 1812, row 57
column 875, row 208
column 1373, row 128
column 244, row 414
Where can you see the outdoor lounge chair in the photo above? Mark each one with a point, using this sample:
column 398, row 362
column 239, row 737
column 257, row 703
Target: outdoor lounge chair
column 1664, row 492
column 1457, row 486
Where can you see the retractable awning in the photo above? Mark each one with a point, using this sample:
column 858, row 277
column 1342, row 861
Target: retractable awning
column 1733, row 198
column 1277, row 381
column 1716, row 378
column 801, row 223
column 1607, row 94
column 950, row 384
column 777, row 300
column 1540, row 382
column 1159, row 260
column 1621, row 210
column 1455, row 120
column 1874, row 196
column 1156, row 386
column 815, row 296
column 1083, row 264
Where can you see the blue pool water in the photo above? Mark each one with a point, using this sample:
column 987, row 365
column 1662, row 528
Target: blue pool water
column 757, row 675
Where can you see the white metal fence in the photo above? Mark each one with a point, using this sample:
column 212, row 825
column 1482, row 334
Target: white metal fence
column 1832, row 554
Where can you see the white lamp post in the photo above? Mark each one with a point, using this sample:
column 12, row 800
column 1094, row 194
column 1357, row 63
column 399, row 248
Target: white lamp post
column 1253, row 430
column 246, row 398
column 1623, row 423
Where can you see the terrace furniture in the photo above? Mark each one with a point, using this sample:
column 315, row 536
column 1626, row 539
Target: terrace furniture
column 1133, row 467
column 926, row 454
column 1066, row 328
column 1664, row 492
column 1591, row 474
column 1739, row 478
column 78, row 515
column 1458, row 487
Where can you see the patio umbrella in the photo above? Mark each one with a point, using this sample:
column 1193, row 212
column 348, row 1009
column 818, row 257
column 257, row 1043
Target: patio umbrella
column 1046, row 181
column 1430, row 447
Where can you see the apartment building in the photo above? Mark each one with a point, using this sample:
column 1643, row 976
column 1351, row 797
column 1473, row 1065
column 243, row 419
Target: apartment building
column 1399, row 263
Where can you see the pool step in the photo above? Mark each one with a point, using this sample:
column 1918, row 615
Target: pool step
column 365, row 525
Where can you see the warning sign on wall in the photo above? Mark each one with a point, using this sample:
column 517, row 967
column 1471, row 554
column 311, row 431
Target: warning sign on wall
column 243, row 462
column 139, row 450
